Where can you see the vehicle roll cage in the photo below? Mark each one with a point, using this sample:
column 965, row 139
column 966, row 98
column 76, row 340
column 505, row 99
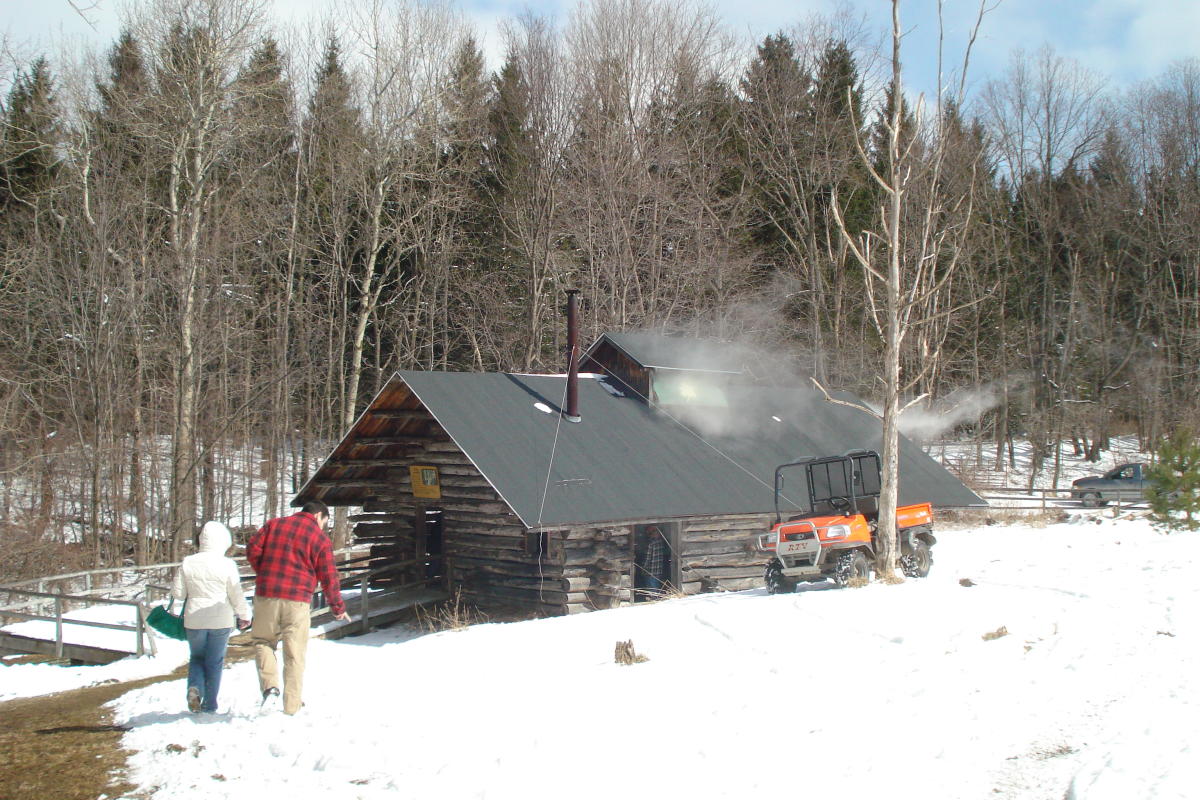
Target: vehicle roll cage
column 850, row 483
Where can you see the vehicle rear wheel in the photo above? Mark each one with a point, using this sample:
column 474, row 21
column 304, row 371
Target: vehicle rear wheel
column 918, row 564
column 777, row 582
column 852, row 569
column 1091, row 500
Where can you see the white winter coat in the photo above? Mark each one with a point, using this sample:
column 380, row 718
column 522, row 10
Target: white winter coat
column 209, row 582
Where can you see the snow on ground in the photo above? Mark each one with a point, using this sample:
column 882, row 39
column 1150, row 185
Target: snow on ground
column 1085, row 694
column 30, row 680
column 33, row 680
column 882, row 691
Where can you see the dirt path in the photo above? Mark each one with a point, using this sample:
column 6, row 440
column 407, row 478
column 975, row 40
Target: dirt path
column 65, row 746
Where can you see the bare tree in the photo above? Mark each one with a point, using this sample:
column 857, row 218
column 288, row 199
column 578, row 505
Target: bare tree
column 905, row 283
column 637, row 207
column 194, row 48
column 531, row 125
column 1047, row 118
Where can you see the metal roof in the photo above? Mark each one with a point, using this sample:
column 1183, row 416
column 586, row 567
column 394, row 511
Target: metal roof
column 678, row 352
column 625, row 460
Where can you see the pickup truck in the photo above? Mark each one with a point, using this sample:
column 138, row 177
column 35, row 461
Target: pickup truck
column 1126, row 482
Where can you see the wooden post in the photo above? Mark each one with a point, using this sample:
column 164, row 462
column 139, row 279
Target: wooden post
column 58, row 628
column 141, row 630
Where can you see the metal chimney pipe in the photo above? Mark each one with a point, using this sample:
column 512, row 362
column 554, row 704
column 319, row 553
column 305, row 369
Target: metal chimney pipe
column 572, row 357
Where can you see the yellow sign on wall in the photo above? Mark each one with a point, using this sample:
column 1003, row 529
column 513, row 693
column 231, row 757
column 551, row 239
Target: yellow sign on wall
column 425, row 482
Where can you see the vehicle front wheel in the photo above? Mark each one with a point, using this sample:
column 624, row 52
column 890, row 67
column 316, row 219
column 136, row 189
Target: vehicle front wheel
column 852, row 569
column 1091, row 500
column 918, row 564
column 777, row 582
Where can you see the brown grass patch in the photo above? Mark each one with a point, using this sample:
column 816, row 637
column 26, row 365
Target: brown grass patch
column 65, row 746
column 455, row 614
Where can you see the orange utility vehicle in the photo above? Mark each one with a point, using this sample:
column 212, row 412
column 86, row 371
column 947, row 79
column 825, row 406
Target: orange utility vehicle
column 836, row 539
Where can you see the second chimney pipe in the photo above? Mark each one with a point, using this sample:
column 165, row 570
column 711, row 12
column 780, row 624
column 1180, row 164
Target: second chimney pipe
column 572, row 357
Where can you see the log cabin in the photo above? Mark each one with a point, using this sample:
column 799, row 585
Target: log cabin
column 543, row 492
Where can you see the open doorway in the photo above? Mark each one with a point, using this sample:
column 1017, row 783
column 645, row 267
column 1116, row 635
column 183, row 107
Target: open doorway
column 655, row 560
column 430, row 543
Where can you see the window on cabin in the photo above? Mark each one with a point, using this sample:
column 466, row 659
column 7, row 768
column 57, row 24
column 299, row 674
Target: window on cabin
column 679, row 388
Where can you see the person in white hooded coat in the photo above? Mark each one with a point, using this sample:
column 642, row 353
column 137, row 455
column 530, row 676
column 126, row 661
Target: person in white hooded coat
column 208, row 582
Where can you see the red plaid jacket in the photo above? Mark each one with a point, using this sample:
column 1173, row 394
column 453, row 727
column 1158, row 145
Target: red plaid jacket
column 289, row 556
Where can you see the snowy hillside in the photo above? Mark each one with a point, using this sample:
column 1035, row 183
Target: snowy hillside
column 883, row 691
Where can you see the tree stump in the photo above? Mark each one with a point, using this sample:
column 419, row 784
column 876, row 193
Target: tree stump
column 625, row 654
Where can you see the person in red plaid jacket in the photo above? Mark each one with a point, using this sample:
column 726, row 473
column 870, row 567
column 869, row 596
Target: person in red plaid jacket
column 290, row 555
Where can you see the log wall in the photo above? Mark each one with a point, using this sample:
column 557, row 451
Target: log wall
column 719, row 553
column 715, row 554
column 597, row 567
column 487, row 552
column 493, row 559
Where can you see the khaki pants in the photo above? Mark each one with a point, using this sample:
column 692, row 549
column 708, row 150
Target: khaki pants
column 275, row 620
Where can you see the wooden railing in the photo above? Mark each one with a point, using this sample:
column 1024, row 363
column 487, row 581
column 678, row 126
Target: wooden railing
column 362, row 577
column 60, row 602
column 38, row 595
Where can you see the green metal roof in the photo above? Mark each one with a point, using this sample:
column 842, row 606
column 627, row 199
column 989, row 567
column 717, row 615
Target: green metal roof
column 627, row 461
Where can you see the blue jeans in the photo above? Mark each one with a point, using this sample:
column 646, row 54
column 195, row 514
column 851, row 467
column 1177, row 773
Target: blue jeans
column 208, row 659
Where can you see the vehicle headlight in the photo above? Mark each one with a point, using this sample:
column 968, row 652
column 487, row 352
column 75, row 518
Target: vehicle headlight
column 837, row 531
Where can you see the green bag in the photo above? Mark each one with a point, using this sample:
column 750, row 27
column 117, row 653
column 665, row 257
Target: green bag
column 162, row 620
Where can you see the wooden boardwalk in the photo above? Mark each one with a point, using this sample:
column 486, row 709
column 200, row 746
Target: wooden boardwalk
column 384, row 608
column 80, row 653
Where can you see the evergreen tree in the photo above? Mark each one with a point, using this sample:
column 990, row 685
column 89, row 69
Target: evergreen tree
column 776, row 127
column 264, row 101
column 472, row 230
column 333, row 121
column 468, row 145
column 127, row 77
column 1175, row 483
column 331, row 133
column 507, row 119
column 838, row 119
column 31, row 135
column 330, row 155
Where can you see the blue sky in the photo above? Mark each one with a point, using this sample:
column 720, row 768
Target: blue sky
column 1123, row 40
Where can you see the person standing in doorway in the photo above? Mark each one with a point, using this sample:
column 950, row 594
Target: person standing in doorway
column 290, row 556
column 209, row 585
column 652, row 562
